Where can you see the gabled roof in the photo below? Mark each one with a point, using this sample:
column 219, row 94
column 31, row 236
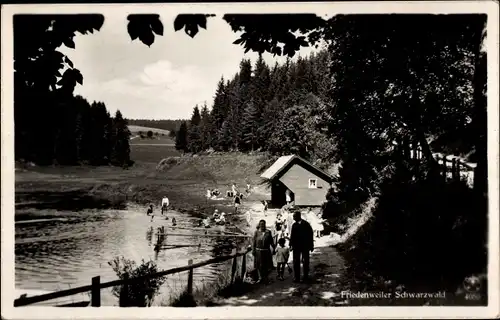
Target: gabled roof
column 279, row 165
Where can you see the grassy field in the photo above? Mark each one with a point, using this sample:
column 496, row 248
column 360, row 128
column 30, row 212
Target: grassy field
column 151, row 154
column 184, row 179
column 158, row 140
column 144, row 130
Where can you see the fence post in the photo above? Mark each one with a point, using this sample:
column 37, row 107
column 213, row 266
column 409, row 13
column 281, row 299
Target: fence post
column 243, row 266
column 445, row 168
column 454, row 169
column 96, row 292
column 234, row 267
column 190, row 278
column 124, row 295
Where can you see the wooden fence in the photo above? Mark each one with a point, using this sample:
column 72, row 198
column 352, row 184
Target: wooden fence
column 450, row 169
column 96, row 285
column 454, row 166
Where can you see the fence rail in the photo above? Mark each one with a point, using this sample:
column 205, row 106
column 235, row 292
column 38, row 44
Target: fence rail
column 96, row 285
column 454, row 169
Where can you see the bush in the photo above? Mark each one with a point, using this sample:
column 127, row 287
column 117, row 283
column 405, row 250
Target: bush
column 426, row 232
column 185, row 300
column 140, row 293
column 150, row 134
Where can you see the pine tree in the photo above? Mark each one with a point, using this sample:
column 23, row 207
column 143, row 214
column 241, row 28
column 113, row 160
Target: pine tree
column 82, row 129
column 100, row 130
column 245, row 73
column 207, row 130
column 261, row 93
column 194, row 142
column 120, row 155
column 235, row 113
column 250, row 127
column 224, row 137
column 301, row 75
column 219, row 109
column 196, row 117
column 272, row 113
column 181, row 137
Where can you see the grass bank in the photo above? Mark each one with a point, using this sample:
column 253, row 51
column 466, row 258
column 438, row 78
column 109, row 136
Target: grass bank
column 183, row 179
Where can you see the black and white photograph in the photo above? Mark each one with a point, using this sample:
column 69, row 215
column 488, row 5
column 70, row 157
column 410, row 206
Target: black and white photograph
column 206, row 157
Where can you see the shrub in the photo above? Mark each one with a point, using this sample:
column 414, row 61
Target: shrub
column 150, row 134
column 139, row 293
column 425, row 232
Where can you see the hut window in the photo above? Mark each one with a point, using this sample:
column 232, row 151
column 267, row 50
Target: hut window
column 313, row 183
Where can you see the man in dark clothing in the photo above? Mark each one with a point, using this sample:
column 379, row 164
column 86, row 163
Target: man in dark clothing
column 301, row 243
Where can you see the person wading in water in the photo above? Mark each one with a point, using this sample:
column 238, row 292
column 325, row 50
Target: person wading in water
column 164, row 205
column 150, row 210
column 237, row 202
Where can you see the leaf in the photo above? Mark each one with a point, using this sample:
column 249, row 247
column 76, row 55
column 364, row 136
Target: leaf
column 69, row 62
column 157, row 26
column 191, row 30
column 78, row 76
column 132, row 30
column 179, row 22
column 147, row 38
column 202, row 21
column 69, row 43
column 238, row 41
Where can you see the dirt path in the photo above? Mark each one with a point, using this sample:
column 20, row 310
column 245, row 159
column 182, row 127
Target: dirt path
column 327, row 273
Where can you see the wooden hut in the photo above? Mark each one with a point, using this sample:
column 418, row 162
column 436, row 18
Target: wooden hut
column 306, row 184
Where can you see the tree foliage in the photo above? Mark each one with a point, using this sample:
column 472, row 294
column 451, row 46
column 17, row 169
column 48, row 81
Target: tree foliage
column 181, row 137
column 387, row 97
column 260, row 109
column 120, row 155
column 67, row 130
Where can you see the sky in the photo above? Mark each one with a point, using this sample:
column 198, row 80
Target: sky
column 164, row 81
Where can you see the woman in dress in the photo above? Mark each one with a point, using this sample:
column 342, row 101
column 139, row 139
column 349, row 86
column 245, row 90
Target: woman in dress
column 261, row 249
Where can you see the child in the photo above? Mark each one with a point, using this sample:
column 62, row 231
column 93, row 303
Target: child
column 282, row 255
column 237, row 203
column 265, row 207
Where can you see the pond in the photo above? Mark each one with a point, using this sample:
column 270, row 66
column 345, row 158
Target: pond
column 66, row 249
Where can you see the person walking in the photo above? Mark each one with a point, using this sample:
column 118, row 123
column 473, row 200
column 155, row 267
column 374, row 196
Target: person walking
column 261, row 250
column 278, row 227
column 301, row 243
column 288, row 196
column 282, row 256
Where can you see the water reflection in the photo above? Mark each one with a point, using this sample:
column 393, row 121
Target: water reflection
column 68, row 252
column 149, row 236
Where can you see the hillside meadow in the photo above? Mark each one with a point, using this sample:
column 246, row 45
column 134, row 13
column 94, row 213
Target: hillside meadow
column 184, row 179
column 137, row 129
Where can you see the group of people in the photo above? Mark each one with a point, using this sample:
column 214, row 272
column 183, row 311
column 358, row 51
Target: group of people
column 219, row 218
column 165, row 203
column 214, row 193
column 301, row 243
